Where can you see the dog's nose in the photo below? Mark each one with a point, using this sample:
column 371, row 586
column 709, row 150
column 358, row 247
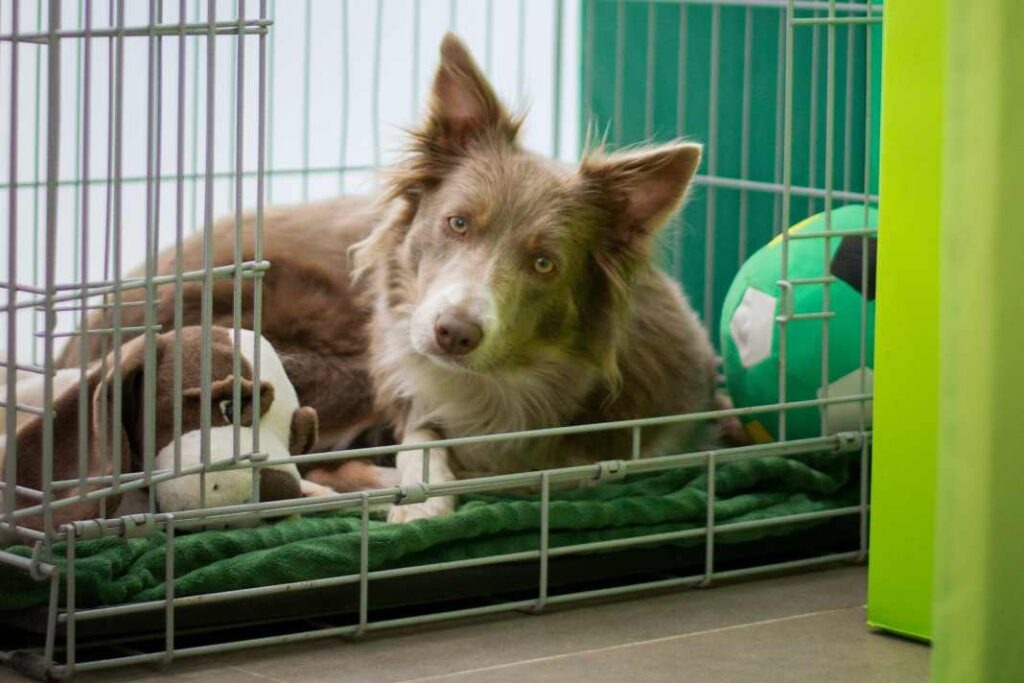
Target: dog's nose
column 455, row 335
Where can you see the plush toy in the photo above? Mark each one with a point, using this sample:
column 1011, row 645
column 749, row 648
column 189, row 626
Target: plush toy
column 750, row 332
column 285, row 427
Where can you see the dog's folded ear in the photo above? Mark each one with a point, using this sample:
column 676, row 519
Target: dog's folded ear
column 303, row 435
column 640, row 188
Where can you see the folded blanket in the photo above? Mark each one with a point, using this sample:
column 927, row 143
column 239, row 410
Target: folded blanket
column 113, row 571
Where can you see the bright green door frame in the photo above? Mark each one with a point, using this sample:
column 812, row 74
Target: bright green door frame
column 979, row 602
column 907, row 319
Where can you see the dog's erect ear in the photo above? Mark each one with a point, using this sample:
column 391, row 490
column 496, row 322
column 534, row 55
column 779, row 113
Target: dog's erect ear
column 303, row 436
column 462, row 109
column 462, row 104
column 641, row 188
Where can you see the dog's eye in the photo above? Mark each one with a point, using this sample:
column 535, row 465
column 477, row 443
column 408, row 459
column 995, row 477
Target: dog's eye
column 458, row 224
column 227, row 409
column 544, row 265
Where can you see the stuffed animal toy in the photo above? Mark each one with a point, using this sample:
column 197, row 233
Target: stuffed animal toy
column 285, row 427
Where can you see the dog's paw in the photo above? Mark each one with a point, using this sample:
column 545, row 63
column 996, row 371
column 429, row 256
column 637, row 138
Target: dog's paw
column 435, row 507
column 311, row 489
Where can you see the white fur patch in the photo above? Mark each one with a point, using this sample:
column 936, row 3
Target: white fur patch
column 461, row 293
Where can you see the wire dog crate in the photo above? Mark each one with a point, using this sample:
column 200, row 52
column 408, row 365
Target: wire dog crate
column 129, row 125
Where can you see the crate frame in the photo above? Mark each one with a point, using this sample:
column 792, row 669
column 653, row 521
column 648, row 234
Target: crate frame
column 50, row 295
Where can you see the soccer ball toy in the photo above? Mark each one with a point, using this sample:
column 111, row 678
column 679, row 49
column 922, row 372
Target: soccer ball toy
column 750, row 333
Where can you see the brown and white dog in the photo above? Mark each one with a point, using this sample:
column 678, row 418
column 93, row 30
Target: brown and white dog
column 490, row 290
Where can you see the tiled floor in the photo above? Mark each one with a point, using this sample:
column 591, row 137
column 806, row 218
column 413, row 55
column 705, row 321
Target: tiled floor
column 804, row 627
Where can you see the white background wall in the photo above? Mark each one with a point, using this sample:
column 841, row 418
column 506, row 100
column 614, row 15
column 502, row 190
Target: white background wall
column 370, row 64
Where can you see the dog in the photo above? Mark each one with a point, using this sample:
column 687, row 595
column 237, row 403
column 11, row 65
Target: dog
column 489, row 290
column 285, row 427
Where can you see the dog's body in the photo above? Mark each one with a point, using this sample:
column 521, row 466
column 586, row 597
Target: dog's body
column 493, row 291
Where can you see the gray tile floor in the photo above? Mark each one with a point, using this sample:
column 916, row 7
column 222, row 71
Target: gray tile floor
column 802, row 627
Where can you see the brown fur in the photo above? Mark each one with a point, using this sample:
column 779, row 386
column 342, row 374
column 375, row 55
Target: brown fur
column 604, row 336
column 312, row 313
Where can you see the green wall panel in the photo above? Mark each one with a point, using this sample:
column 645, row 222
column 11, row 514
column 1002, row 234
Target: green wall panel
column 648, row 74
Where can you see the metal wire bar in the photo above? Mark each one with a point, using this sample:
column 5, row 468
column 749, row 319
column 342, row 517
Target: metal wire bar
column 652, row 14
column 820, row 21
column 257, row 313
column 620, row 49
column 838, row 443
column 748, row 67
column 709, row 524
column 556, row 86
column 11, row 393
column 812, row 136
column 863, row 416
column 69, row 601
column 236, row 281
column 253, row 27
column 250, row 269
column 270, row 110
column 778, row 4
column 521, row 52
column 826, row 290
column 328, row 456
column 711, row 164
column 307, row 52
column 53, row 128
column 116, row 242
column 700, row 179
column 153, row 138
column 206, row 306
column 780, row 106
column 40, row 183
column 179, row 240
column 378, row 41
column 169, row 577
column 544, row 551
column 787, row 179
column 343, row 125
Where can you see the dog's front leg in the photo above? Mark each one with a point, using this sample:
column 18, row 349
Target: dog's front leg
column 410, row 472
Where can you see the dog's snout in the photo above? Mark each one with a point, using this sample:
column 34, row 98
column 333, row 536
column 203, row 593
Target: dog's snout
column 457, row 335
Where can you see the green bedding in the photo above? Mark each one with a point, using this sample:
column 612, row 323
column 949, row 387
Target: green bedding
column 112, row 571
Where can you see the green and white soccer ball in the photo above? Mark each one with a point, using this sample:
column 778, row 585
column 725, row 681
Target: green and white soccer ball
column 750, row 332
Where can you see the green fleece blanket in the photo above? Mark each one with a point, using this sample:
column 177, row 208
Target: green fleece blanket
column 112, row 571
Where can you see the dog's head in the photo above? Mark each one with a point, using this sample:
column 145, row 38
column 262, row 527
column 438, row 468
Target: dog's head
column 497, row 260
